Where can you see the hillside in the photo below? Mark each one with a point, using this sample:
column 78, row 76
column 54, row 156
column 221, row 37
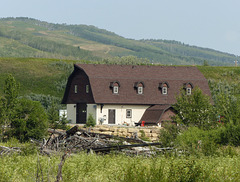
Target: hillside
column 26, row 37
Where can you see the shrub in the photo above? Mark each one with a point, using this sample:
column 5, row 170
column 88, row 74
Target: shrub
column 229, row 135
column 168, row 134
column 198, row 141
column 90, row 121
column 143, row 136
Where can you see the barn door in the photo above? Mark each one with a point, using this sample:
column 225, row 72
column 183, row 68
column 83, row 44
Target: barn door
column 111, row 116
column 81, row 113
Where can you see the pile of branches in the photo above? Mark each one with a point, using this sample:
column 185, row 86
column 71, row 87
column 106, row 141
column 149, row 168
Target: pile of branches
column 76, row 140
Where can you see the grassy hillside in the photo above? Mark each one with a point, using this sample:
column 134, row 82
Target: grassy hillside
column 25, row 37
column 36, row 75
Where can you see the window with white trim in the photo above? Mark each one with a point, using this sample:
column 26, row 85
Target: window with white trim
column 140, row 90
column 115, row 89
column 164, row 90
column 189, row 91
column 128, row 113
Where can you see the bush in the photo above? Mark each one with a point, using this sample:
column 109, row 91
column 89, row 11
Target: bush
column 143, row 136
column 90, row 121
column 168, row 134
column 229, row 135
column 198, row 141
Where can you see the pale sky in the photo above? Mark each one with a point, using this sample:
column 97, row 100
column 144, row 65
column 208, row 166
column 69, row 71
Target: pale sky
column 206, row 23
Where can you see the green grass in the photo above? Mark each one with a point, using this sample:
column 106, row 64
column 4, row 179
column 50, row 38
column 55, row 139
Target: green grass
column 92, row 167
column 34, row 75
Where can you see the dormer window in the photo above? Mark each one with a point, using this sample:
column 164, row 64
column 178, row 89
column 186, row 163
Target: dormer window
column 163, row 87
column 115, row 87
column 140, row 90
column 139, row 87
column 164, row 90
column 188, row 87
column 189, row 91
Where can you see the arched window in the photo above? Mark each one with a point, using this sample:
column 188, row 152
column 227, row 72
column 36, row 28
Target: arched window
column 115, row 87
column 139, row 87
column 164, row 86
column 188, row 87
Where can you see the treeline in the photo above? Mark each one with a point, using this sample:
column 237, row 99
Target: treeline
column 185, row 50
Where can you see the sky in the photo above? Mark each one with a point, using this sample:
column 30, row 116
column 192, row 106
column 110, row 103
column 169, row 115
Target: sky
column 211, row 24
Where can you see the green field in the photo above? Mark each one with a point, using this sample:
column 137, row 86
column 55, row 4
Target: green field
column 92, row 167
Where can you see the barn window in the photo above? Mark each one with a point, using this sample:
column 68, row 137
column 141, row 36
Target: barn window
column 87, row 89
column 75, row 89
column 164, row 87
column 139, row 87
column 129, row 113
column 140, row 90
column 164, row 90
column 115, row 87
column 188, row 87
column 189, row 91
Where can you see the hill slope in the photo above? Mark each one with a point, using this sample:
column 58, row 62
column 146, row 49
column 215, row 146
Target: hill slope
column 26, row 37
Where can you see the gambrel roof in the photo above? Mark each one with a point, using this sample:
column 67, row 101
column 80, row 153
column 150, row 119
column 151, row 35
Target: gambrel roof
column 102, row 76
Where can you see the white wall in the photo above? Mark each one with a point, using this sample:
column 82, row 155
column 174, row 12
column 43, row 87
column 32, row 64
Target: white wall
column 120, row 113
column 91, row 108
column 71, row 113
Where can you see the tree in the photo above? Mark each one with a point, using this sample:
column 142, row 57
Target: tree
column 205, row 63
column 30, row 121
column 90, row 121
column 194, row 110
column 9, row 101
column 21, row 118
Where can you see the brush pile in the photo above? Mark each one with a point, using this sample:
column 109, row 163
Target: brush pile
column 76, row 140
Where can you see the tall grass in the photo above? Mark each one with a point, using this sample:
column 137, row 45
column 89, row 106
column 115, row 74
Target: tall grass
column 92, row 167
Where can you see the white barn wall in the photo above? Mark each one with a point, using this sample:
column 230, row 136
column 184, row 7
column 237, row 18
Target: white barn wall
column 120, row 113
column 91, row 108
column 71, row 113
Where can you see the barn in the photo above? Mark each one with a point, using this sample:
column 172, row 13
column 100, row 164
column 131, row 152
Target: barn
column 128, row 94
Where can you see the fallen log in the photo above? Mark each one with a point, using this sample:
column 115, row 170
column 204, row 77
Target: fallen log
column 120, row 147
column 72, row 131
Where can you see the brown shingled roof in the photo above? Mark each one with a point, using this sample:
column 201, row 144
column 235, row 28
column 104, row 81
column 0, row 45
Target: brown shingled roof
column 153, row 114
column 101, row 76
